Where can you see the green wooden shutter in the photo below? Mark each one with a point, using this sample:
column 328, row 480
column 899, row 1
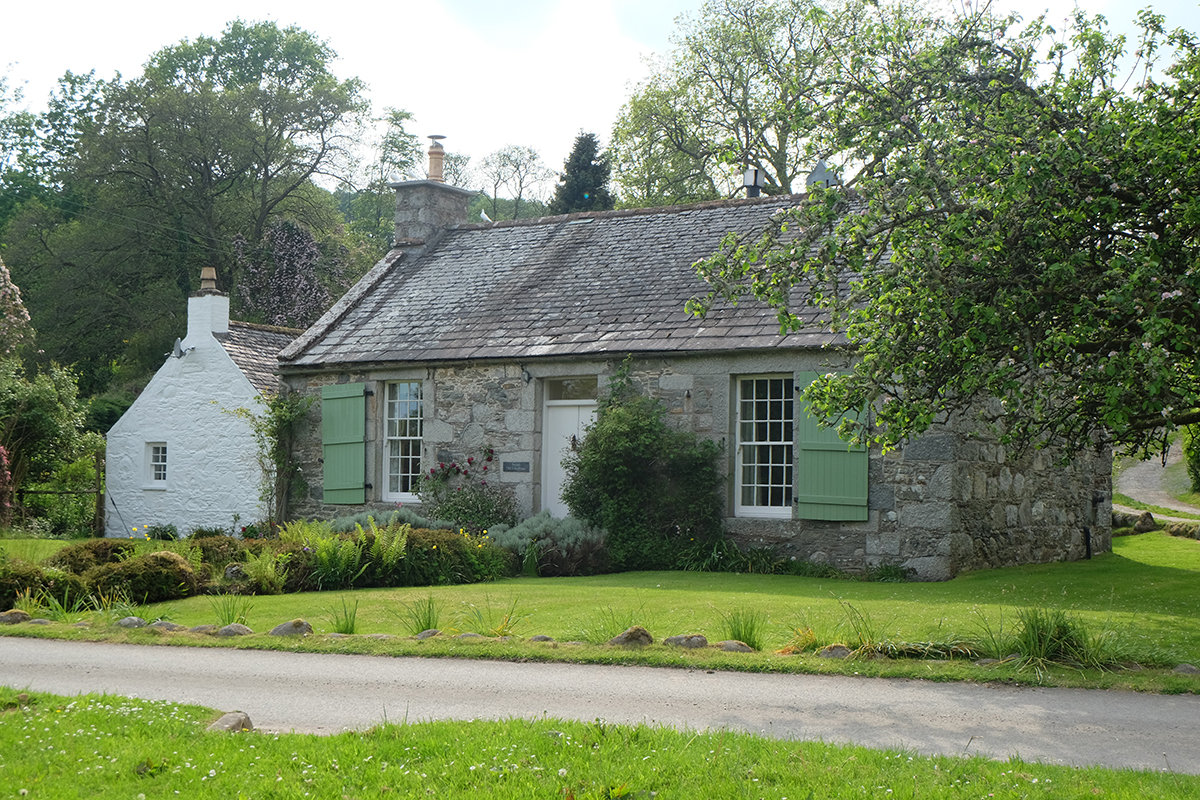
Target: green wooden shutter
column 343, row 442
column 831, row 475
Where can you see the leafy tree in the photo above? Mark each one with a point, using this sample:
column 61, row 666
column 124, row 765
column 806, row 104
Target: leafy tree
column 1023, row 226
column 279, row 276
column 41, row 420
column 741, row 88
column 155, row 176
column 584, row 182
column 516, row 169
column 369, row 205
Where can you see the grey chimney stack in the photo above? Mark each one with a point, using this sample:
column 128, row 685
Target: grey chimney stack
column 426, row 208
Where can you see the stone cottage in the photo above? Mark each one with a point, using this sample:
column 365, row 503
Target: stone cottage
column 177, row 456
column 503, row 335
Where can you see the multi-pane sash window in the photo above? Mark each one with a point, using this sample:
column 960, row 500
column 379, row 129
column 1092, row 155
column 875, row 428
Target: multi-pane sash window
column 158, row 463
column 404, row 424
column 766, row 408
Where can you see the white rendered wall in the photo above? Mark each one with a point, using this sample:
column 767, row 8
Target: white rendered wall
column 211, row 469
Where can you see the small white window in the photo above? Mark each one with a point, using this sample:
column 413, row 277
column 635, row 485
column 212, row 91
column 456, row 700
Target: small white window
column 402, row 450
column 156, row 463
column 765, row 454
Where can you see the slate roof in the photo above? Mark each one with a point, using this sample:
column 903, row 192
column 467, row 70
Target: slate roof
column 254, row 349
column 575, row 285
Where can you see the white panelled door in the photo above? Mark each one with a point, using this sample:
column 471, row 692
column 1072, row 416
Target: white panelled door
column 562, row 431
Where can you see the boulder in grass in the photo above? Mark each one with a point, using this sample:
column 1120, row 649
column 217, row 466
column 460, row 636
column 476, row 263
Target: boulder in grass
column 209, row 629
column 835, row 651
column 131, row 622
column 1187, row 669
column 428, row 633
column 637, row 636
column 296, row 627
column 688, row 641
column 541, row 637
column 734, row 646
column 233, row 722
column 1145, row 523
column 236, row 629
column 14, row 617
column 166, row 625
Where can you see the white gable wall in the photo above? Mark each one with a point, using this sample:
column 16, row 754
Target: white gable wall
column 211, row 469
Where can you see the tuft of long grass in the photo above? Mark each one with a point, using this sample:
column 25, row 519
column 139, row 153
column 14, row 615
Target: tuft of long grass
column 746, row 625
column 344, row 620
column 230, row 609
column 490, row 621
column 422, row 614
column 605, row 623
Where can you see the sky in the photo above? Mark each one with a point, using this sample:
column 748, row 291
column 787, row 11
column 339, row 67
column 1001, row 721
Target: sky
column 483, row 73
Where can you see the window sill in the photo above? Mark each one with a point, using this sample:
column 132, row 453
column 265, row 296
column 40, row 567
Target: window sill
column 154, row 487
column 761, row 512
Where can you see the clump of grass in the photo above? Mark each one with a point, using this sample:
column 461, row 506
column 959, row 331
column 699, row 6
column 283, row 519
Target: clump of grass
column 746, row 625
column 112, row 605
column 231, row 609
column 607, row 622
column 420, row 615
column 344, row 620
column 489, row 621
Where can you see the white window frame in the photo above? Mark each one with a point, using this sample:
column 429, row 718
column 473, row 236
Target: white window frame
column 157, row 466
column 771, row 472
column 403, row 440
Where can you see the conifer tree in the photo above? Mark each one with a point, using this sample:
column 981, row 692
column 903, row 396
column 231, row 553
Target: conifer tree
column 584, row 182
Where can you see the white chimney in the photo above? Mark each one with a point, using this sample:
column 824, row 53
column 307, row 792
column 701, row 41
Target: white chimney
column 208, row 309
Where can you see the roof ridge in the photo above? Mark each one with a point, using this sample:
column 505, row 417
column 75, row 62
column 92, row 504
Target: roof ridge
column 258, row 326
column 618, row 213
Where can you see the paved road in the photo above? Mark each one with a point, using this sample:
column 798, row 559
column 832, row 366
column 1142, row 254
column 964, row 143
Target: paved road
column 329, row 693
column 1143, row 482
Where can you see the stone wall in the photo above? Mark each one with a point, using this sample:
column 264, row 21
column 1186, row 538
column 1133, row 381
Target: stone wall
column 949, row 501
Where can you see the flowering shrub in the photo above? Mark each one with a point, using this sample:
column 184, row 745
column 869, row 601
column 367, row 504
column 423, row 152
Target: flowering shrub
column 461, row 493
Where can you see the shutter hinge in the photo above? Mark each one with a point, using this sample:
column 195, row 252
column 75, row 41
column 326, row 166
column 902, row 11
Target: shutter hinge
column 368, row 486
column 368, row 392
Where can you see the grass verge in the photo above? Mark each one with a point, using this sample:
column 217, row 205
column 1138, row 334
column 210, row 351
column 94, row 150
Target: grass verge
column 105, row 746
column 1129, row 502
column 1138, row 602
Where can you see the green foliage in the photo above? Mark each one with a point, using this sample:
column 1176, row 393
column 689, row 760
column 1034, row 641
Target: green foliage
column 149, row 578
column 337, row 562
column 41, row 419
column 652, row 488
column 556, row 547
column 740, row 88
column 274, row 430
column 69, row 514
column 153, row 177
column 81, row 557
column 1017, row 228
column 266, row 571
column 47, row 584
column 488, row 621
column 1191, row 454
column 386, row 548
column 583, row 185
column 441, row 557
column 519, row 171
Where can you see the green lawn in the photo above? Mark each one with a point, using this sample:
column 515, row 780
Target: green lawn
column 98, row 746
column 1144, row 595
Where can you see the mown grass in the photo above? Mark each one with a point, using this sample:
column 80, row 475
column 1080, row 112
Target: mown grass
column 111, row 747
column 32, row 550
column 1142, row 598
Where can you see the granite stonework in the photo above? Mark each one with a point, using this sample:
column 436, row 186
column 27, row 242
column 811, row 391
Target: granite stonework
column 949, row 501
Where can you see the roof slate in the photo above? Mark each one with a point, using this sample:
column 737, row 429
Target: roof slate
column 254, row 349
column 576, row 285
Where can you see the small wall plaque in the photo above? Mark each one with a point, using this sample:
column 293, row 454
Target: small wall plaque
column 516, row 466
